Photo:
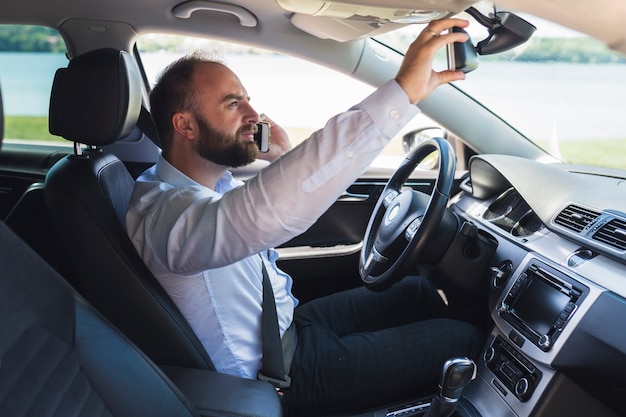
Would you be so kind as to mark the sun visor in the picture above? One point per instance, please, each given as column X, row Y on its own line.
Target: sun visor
column 351, row 19
column 340, row 30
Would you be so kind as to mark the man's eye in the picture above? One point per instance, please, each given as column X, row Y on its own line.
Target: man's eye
column 233, row 104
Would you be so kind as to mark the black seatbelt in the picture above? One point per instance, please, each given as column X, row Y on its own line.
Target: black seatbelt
column 146, row 125
column 273, row 365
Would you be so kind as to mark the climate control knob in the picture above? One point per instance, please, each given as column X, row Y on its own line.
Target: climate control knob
column 522, row 388
column 545, row 342
column 489, row 355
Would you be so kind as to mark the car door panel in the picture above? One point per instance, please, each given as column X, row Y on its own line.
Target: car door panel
column 324, row 259
column 20, row 167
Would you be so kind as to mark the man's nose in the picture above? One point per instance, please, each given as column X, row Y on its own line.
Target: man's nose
column 250, row 115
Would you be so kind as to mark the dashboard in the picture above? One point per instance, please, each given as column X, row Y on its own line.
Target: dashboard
column 557, row 289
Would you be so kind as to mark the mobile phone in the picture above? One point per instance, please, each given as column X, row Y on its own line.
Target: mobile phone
column 262, row 137
column 462, row 56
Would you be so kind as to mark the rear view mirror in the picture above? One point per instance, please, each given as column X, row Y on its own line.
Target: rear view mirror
column 506, row 31
column 461, row 55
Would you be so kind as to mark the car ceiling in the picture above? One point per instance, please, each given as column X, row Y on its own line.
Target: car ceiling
column 274, row 21
column 602, row 19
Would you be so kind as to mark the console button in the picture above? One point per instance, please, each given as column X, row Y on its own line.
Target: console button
column 516, row 338
column 512, row 369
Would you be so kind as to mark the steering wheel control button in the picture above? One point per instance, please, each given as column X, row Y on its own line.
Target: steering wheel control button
column 413, row 228
column 391, row 195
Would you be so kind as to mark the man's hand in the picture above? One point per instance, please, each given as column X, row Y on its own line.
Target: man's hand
column 279, row 141
column 416, row 76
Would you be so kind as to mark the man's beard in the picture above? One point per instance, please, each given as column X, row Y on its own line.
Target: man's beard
column 224, row 149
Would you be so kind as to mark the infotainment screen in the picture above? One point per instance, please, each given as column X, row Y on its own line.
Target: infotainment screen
column 539, row 305
column 541, row 302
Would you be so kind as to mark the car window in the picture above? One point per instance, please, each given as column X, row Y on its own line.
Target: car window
column 29, row 57
column 298, row 95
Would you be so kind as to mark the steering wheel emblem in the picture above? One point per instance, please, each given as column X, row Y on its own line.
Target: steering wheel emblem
column 392, row 213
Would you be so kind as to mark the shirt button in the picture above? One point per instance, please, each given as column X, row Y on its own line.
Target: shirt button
column 349, row 154
column 394, row 114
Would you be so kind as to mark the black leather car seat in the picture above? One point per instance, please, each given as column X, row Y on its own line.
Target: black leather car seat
column 96, row 101
column 59, row 357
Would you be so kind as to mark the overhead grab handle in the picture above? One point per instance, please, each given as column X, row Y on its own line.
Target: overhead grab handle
column 184, row 11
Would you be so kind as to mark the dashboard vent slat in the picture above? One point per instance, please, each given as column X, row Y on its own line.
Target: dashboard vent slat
column 575, row 217
column 613, row 233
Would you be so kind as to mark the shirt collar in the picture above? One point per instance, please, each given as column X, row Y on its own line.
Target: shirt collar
column 171, row 175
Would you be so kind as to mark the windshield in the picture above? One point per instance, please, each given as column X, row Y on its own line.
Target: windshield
column 562, row 89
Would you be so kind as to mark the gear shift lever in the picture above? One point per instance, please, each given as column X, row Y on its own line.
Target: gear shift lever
column 457, row 373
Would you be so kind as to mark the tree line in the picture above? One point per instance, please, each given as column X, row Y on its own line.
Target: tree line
column 577, row 50
column 30, row 39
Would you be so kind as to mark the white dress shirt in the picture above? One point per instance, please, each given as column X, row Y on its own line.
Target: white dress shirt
column 203, row 244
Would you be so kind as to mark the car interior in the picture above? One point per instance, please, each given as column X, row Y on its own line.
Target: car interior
column 529, row 249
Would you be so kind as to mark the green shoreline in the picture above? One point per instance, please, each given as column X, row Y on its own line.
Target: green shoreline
column 604, row 152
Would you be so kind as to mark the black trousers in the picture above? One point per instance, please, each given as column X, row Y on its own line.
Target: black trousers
column 360, row 349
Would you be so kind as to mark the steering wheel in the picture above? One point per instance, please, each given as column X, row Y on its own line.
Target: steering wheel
column 404, row 220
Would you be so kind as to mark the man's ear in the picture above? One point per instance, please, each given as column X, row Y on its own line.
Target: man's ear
column 184, row 124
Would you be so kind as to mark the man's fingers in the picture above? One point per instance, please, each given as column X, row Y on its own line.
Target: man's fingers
column 448, row 76
column 416, row 75
column 438, row 26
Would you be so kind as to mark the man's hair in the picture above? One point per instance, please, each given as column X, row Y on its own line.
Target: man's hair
column 175, row 92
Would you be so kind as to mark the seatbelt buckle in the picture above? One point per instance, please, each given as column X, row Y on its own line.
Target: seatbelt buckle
column 278, row 383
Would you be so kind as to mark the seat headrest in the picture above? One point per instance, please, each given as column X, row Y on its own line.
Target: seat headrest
column 96, row 100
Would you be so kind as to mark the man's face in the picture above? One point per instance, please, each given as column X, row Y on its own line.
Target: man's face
column 225, row 149
column 225, row 119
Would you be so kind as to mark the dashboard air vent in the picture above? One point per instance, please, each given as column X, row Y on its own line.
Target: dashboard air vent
column 575, row 217
column 613, row 233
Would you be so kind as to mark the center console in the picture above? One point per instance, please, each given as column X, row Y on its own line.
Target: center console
column 534, row 314
column 536, row 307
column 542, row 341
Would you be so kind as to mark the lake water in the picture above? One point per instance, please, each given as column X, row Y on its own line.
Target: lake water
column 542, row 100
column 26, row 81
